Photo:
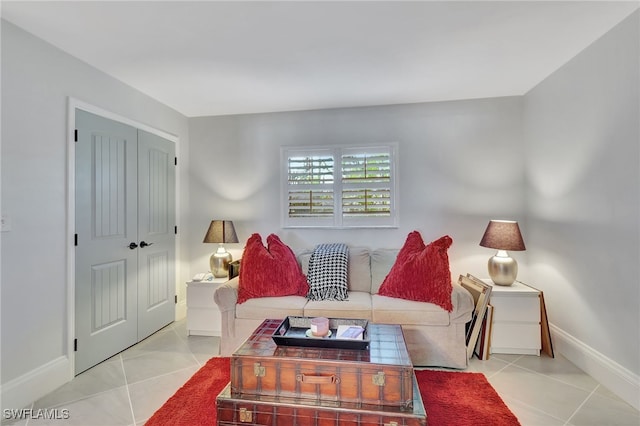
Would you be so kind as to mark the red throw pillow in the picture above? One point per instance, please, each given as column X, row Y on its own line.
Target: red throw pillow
column 268, row 272
column 421, row 273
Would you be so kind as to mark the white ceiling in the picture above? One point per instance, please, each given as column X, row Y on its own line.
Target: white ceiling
column 215, row 58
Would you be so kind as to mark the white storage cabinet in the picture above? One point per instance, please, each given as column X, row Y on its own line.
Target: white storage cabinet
column 516, row 319
column 203, row 315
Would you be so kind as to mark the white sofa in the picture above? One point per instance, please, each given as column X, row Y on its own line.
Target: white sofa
column 434, row 336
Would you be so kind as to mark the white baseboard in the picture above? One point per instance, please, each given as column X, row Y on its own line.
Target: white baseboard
column 619, row 380
column 22, row 391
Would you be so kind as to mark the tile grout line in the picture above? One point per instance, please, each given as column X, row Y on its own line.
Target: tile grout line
column 582, row 404
column 126, row 385
column 546, row 376
column 186, row 341
column 535, row 409
column 81, row 398
column 513, row 363
column 555, row 379
column 162, row 375
column 506, row 365
column 549, row 377
column 33, row 404
column 501, row 369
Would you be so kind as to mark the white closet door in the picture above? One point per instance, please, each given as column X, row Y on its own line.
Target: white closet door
column 125, row 221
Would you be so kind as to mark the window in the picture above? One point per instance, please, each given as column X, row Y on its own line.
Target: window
column 339, row 186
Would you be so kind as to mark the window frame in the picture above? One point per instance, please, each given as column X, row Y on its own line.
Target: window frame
column 338, row 219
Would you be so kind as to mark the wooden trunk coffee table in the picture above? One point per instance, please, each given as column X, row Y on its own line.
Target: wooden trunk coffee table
column 280, row 385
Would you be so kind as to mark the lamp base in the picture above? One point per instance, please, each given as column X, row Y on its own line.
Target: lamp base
column 503, row 269
column 219, row 263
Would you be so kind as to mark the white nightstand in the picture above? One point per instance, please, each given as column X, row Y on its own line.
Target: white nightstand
column 203, row 315
column 516, row 319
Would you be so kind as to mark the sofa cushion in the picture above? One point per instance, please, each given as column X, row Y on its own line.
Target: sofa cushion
column 421, row 273
column 271, row 307
column 392, row 310
column 358, row 271
column 357, row 306
column 382, row 261
column 269, row 272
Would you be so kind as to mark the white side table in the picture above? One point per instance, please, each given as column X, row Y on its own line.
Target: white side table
column 203, row 315
column 516, row 319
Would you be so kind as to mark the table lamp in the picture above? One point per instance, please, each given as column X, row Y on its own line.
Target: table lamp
column 503, row 235
column 221, row 232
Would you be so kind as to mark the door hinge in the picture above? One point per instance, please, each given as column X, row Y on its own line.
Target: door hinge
column 175, row 229
column 75, row 345
column 175, row 161
column 75, row 240
column 175, row 297
column 75, row 135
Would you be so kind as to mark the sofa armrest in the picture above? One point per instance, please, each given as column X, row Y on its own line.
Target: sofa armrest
column 226, row 295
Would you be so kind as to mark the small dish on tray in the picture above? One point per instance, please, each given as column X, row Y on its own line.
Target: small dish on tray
column 309, row 333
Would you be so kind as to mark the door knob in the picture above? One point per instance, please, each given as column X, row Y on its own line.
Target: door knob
column 133, row 246
column 144, row 244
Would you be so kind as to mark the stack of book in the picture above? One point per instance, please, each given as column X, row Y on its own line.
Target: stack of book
column 478, row 330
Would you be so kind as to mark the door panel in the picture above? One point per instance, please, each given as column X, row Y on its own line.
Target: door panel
column 106, row 223
column 108, row 295
column 156, row 213
column 109, row 185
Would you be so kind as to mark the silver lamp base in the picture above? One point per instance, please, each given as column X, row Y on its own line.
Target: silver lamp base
column 503, row 269
column 219, row 263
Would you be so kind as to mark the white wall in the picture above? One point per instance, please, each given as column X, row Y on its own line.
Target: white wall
column 583, row 190
column 37, row 80
column 460, row 166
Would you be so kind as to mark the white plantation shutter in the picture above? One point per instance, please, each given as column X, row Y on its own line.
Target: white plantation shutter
column 310, row 203
column 366, row 183
column 310, row 187
column 339, row 187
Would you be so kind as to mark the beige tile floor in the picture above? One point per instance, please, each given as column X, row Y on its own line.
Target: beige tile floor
column 128, row 388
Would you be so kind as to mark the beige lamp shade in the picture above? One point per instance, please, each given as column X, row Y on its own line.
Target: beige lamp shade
column 221, row 231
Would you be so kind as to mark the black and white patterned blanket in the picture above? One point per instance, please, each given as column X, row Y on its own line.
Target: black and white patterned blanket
column 327, row 276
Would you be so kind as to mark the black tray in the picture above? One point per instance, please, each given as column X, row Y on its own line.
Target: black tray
column 293, row 332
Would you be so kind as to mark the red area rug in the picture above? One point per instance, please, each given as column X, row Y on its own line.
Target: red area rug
column 450, row 398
